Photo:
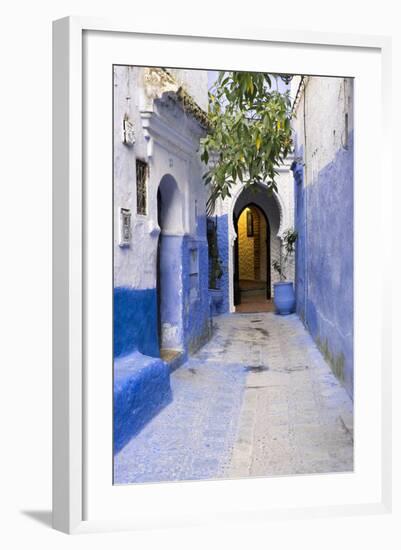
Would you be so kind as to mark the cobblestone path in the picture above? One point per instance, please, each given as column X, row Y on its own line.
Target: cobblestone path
column 257, row 400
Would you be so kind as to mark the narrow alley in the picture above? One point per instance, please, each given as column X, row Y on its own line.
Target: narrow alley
column 236, row 268
column 257, row 400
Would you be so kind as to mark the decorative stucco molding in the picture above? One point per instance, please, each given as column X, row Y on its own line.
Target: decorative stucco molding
column 158, row 129
column 284, row 200
column 155, row 83
column 169, row 115
column 285, row 221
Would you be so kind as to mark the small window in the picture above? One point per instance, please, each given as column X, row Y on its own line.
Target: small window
column 141, row 187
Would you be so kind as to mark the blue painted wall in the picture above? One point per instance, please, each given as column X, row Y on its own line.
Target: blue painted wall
column 135, row 321
column 300, row 225
column 184, row 287
column 171, row 280
column 197, row 328
column 324, row 213
column 141, row 390
column 222, row 244
column 141, row 378
column 184, row 302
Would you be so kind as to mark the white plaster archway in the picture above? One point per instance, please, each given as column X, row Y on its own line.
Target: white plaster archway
column 172, row 199
column 285, row 222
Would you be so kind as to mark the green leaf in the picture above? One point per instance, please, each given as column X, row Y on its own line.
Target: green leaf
column 251, row 135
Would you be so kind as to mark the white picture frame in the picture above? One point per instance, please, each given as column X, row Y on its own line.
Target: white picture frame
column 72, row 425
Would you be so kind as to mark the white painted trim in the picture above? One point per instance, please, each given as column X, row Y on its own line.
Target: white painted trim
column 67, row 276
column 232, row 235
column 252, row 33
column 155, row 128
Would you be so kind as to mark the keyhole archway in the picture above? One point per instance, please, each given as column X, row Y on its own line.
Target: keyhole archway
column 255, row 203
column 252, row 273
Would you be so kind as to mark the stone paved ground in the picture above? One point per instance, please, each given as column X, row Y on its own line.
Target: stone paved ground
column 296, row 418
column 257, row 400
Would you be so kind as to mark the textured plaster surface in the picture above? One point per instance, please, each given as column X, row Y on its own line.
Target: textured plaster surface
column 167, row 139
column 141, row 389
column 224, row 255
column 258, row 399
column 135, row 322
column 324, row 218
column 328, row 308
column 171, row 291
column 195, row 83
column 197, row 324
column 169, row 144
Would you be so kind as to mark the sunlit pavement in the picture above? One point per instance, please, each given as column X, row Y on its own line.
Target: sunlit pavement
column 257, row 400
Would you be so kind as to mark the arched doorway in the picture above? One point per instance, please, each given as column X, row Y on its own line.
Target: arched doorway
column 269, row 209
column 169, row 267
column 252, row 256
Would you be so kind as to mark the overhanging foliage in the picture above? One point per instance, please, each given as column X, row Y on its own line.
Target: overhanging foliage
column 249, row 135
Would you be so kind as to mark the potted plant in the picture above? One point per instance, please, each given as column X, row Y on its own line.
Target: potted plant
column 284, row 296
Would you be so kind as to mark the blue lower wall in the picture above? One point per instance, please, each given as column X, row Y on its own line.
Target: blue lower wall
column 184, row 300
column 223, row 244
column 135, row 321
column 141, row 378
column 171, row 298
column 324, row 213
column 141, row 390
column 300, row 226
column 184, row 288
column 197, row 328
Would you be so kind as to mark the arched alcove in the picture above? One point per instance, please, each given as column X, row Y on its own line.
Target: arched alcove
column 169, row 266
column 169, row 202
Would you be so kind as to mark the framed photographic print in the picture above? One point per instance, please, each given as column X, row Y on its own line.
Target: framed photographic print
column 219, row 337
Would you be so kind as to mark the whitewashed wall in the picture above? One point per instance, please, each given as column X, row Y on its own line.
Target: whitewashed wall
column 323, row 102
column 169, row 144
column 323, row 131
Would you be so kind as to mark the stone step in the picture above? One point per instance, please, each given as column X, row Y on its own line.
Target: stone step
column 141, row 390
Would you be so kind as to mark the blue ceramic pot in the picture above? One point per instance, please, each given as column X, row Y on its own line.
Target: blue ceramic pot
column 284, row 297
